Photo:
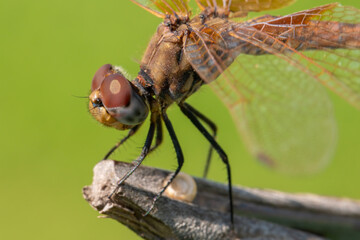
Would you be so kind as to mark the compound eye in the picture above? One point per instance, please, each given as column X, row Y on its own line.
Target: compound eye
column 99, row 76
column 115, row 91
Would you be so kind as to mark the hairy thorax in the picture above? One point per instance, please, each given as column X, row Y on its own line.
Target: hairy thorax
column 164, row 62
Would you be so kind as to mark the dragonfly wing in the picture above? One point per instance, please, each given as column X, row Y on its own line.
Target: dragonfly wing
column 273, row 91
column 246, row 5
column 329, row 37
column 161, row 8
column 325, row 40
column 284, row 116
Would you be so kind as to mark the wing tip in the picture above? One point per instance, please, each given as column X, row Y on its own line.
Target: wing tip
column 153, row 12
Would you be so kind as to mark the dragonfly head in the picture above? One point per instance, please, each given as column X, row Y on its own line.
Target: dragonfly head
column 114, row 101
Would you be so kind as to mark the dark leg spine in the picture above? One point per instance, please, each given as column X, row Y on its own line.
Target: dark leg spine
column 130, row 133
column 213, row 127
column 216, row 146
column 179, row 156
column 144, row 152
column 159, row 134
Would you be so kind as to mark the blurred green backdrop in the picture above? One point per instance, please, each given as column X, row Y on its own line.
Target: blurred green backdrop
column 49, row 143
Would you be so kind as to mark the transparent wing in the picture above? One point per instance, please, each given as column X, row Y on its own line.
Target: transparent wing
column 272, row 90
column 330, row 38
column 286, row 120
column 161, row 8
column 246, row 5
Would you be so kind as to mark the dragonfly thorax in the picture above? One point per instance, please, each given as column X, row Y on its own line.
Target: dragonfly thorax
column 166, row 66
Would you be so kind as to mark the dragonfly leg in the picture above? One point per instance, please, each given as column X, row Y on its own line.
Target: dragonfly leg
column 213, row 127
column 159, row 134
column 131, row 132
column 144, row 152
column 179, row 156
column 216, row 146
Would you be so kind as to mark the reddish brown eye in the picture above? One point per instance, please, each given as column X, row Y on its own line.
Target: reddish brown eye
column 115, row 91
column 100, row 75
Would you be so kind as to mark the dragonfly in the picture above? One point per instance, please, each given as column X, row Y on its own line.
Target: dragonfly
column 270, row 72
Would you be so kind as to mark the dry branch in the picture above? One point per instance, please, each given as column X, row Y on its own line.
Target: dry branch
column 208, row 216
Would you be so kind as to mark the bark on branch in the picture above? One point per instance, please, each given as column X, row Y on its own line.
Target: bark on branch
column 260, row 214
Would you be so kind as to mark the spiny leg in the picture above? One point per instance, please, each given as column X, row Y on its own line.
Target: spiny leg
column 159, row 134
column 213, row 127
column 144, row 152
column 217, row 147
column 130, row 133
column 179, row 156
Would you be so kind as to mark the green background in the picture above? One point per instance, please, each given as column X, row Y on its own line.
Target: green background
column 49, row 142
